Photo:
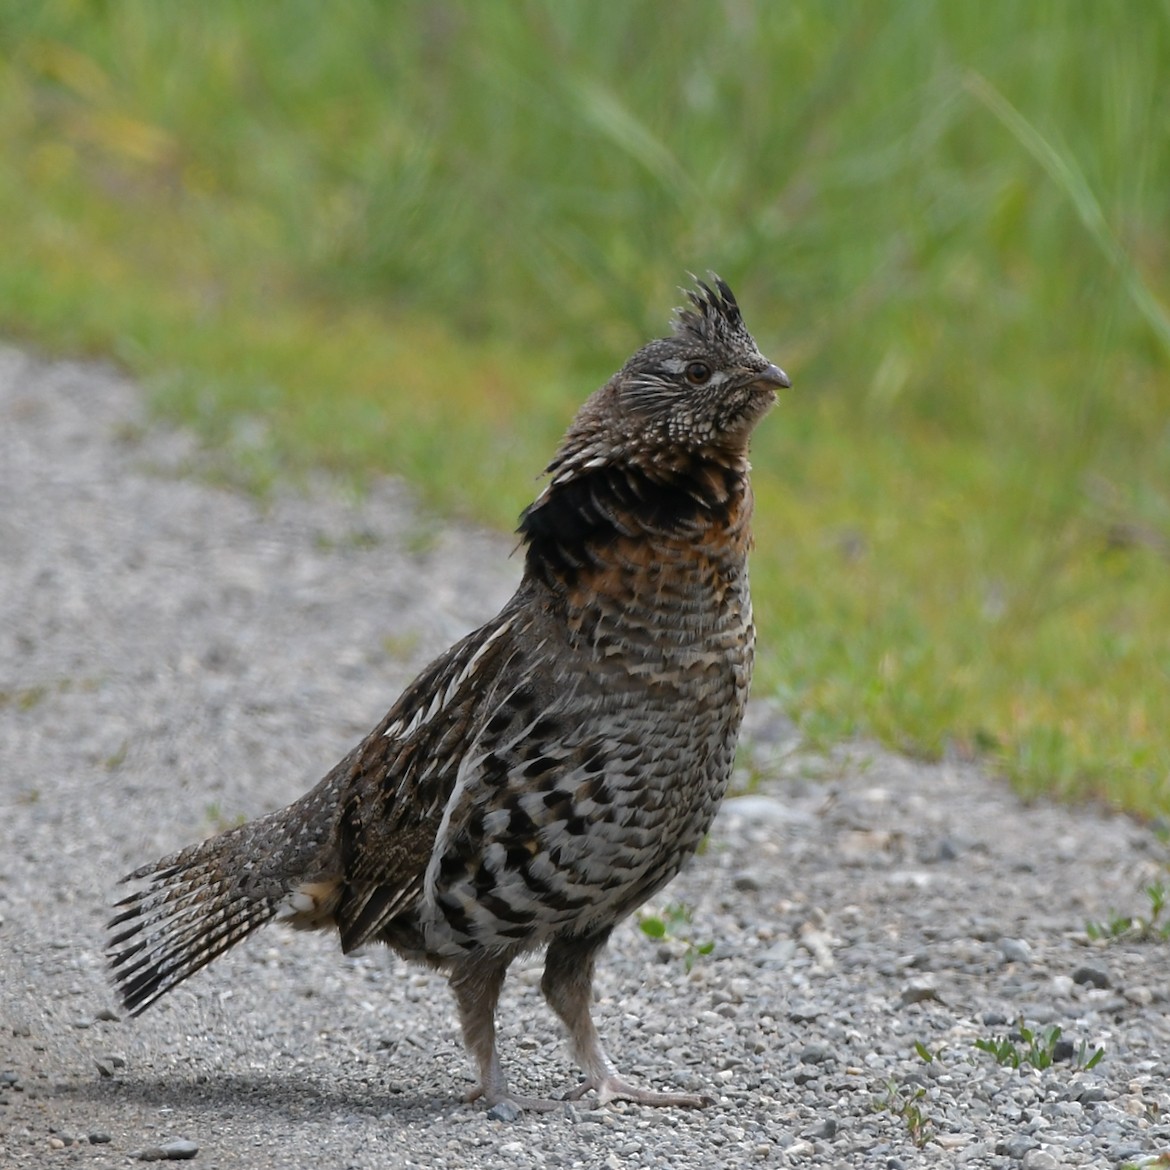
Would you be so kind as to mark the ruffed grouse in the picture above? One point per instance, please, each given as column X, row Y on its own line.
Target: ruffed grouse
column 554, row 769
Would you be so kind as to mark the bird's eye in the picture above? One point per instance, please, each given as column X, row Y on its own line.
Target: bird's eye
column 698, row 373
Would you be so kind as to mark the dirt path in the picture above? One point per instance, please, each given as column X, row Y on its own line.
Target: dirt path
column 174, row 656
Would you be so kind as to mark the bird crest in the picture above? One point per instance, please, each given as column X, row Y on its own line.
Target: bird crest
column 713, row 315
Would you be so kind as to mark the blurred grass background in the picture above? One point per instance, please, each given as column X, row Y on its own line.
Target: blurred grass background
column 411, row 237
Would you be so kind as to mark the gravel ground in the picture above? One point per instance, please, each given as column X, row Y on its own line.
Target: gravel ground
column 174, row 656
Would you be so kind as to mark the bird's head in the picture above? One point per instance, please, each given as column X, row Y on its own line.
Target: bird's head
column 699, row 391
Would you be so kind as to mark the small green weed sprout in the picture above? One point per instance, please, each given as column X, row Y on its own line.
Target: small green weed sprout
column 905, row 1102
column 1041, row 1049
column 1154, row 927
column 674, row 923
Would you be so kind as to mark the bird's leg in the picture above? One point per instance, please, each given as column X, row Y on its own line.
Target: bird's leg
column 568, row 987
column 476, row 983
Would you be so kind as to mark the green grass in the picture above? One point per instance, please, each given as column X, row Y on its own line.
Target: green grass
column 412, row 237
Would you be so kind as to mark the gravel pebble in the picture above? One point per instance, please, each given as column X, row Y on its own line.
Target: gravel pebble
column 918, row 991
column 505, row 1111
column 1015, row 950
column 175, row 655
column 1040, row 1160
column 1091, row 975
column 177, row 1150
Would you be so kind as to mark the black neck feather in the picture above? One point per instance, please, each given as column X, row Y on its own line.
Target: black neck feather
column 570, row 527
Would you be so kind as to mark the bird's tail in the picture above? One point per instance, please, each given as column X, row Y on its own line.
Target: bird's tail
column 191, row 907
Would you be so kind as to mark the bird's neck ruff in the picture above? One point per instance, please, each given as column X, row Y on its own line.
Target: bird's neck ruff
column 581, row 518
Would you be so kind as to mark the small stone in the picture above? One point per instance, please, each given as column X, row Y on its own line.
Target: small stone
column 779, row 954
column 919, row 961
column 1040, row 1160
column 99, row 1139
column 55, row 1143
column 1016, row 1146
column 21, row 1030
column 1039, row 1012
column 1015, row 950
column 1062, row 986
column 947, row 850
column 815, row 1054
column 918, row 991
column 746, row 883
column 1126, row 1152
column 976, row 1150
column 178, row 1149
column 104, row 1067
column 1063, row 1050
column 1090, row 975
column 952, row 1141
column 823, row 1129
column 803, row 1013
column 505, row 1111
column 1114, row 1004
column 107, row 1015
column 994, row 1019
column 759, row 810
column 8, row 1077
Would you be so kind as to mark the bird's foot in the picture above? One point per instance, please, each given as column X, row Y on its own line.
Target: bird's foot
column 509, row 1106
column 613, row 1088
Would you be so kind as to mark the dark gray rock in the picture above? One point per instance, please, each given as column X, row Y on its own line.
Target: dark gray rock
column 1092, row 975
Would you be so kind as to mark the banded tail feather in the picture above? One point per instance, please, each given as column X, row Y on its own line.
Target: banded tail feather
column 191, row 908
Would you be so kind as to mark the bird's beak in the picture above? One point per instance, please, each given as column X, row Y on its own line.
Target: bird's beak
column 772, row 376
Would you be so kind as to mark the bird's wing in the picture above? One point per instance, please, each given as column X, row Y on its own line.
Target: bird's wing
column 403, row 777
